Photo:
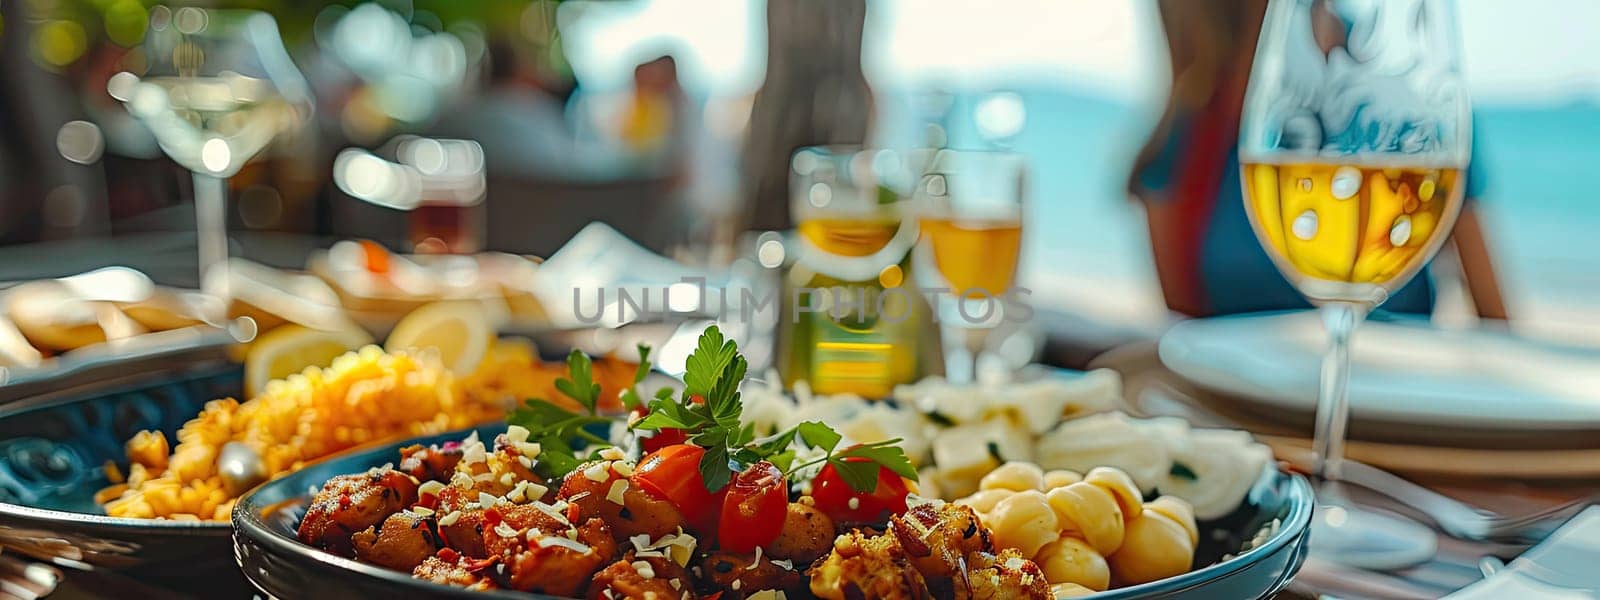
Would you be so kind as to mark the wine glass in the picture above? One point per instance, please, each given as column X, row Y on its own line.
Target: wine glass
column 219, row 88
column 969, row 208
column 1354, row 139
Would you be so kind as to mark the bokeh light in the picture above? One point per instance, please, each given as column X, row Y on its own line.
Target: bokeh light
column 57, row 44
column 80, row 142
column 1000, row 115
column 770, row 251
column 190, row 20
column 125, row 22
column 64, row 206
column 216, row 155
column 260, row 207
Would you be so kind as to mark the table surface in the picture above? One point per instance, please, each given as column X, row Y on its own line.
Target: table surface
column 1152, row 390
column 1453, row 567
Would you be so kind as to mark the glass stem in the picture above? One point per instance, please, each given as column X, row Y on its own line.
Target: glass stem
column 977, row 340
column 211, row 230
column 1333, row 400
column 961, row 362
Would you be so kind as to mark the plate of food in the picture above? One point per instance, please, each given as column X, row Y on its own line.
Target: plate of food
column 683, row 496
column 51, row 329
column 141, row 473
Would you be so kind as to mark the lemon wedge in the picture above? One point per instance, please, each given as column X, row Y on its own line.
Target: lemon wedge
column 458, row 330
column 289, row 349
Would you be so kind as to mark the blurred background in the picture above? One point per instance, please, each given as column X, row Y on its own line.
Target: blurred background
column 674, row 120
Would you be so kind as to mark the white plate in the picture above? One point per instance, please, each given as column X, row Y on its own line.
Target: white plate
column 1401, row 371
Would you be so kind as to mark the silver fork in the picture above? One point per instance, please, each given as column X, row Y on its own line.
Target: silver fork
column 1457, row 519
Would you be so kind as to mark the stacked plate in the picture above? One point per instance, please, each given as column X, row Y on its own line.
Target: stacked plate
column 1475, row 402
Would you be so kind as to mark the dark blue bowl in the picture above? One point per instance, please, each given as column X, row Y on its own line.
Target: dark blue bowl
column 53, row 451
column 266, row 519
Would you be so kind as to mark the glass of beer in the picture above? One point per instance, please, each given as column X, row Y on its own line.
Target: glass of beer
column 1354, row 138
column 969, row 207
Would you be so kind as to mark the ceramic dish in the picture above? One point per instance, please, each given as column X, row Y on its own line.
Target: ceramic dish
column 53, row 451
column 265, row 522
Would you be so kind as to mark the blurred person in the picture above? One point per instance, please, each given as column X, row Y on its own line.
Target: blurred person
column 654, row 115
column 521, row 125
column 1187, row 177
column 815, row 93
column 653, row 128
column 648, row 128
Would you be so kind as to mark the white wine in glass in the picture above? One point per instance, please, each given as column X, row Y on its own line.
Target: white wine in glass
column 970, row 205
column 1353, row 144
column 219, row 89
column 1343, row 231
column 974, row 253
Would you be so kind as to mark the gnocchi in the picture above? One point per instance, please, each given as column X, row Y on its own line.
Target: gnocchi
column 1086, row 531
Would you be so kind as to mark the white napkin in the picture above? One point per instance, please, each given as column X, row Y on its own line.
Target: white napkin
column 1561, row 567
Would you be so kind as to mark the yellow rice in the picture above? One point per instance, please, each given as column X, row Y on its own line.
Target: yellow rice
column 364, row 396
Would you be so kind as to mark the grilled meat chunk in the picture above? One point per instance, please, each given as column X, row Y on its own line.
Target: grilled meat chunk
column 543, row 553
column 402, row 542
column 430, row 463
column 636, row 578
column 351, row 503
column 807, row 535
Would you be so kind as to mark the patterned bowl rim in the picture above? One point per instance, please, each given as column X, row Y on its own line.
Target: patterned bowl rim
column 1301, row 501
column 66, row 519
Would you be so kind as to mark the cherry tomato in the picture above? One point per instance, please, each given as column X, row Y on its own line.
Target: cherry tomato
column 834, row 496
column 673, row 473
column 754, row 509
column 664, row 438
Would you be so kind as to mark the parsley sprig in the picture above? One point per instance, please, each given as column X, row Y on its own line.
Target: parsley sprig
column 857, row 465
column 559, row 431
column 708, row 412
column 713, row 373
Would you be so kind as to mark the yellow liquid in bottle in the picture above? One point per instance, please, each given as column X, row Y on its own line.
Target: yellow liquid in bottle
column 856, row 350
column 850, row 235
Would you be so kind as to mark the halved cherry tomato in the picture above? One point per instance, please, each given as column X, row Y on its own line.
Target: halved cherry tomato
column 673, row 473
column 754, row 509
column 665, row 437
column 834, row 496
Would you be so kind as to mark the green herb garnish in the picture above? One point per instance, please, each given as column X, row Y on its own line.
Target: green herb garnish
column 713, row 372
column 558, row 430
column 861, row 474
column 630, row 397
column 708, row 412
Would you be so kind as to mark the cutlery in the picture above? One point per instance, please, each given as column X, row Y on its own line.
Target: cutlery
column 1458, row 519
